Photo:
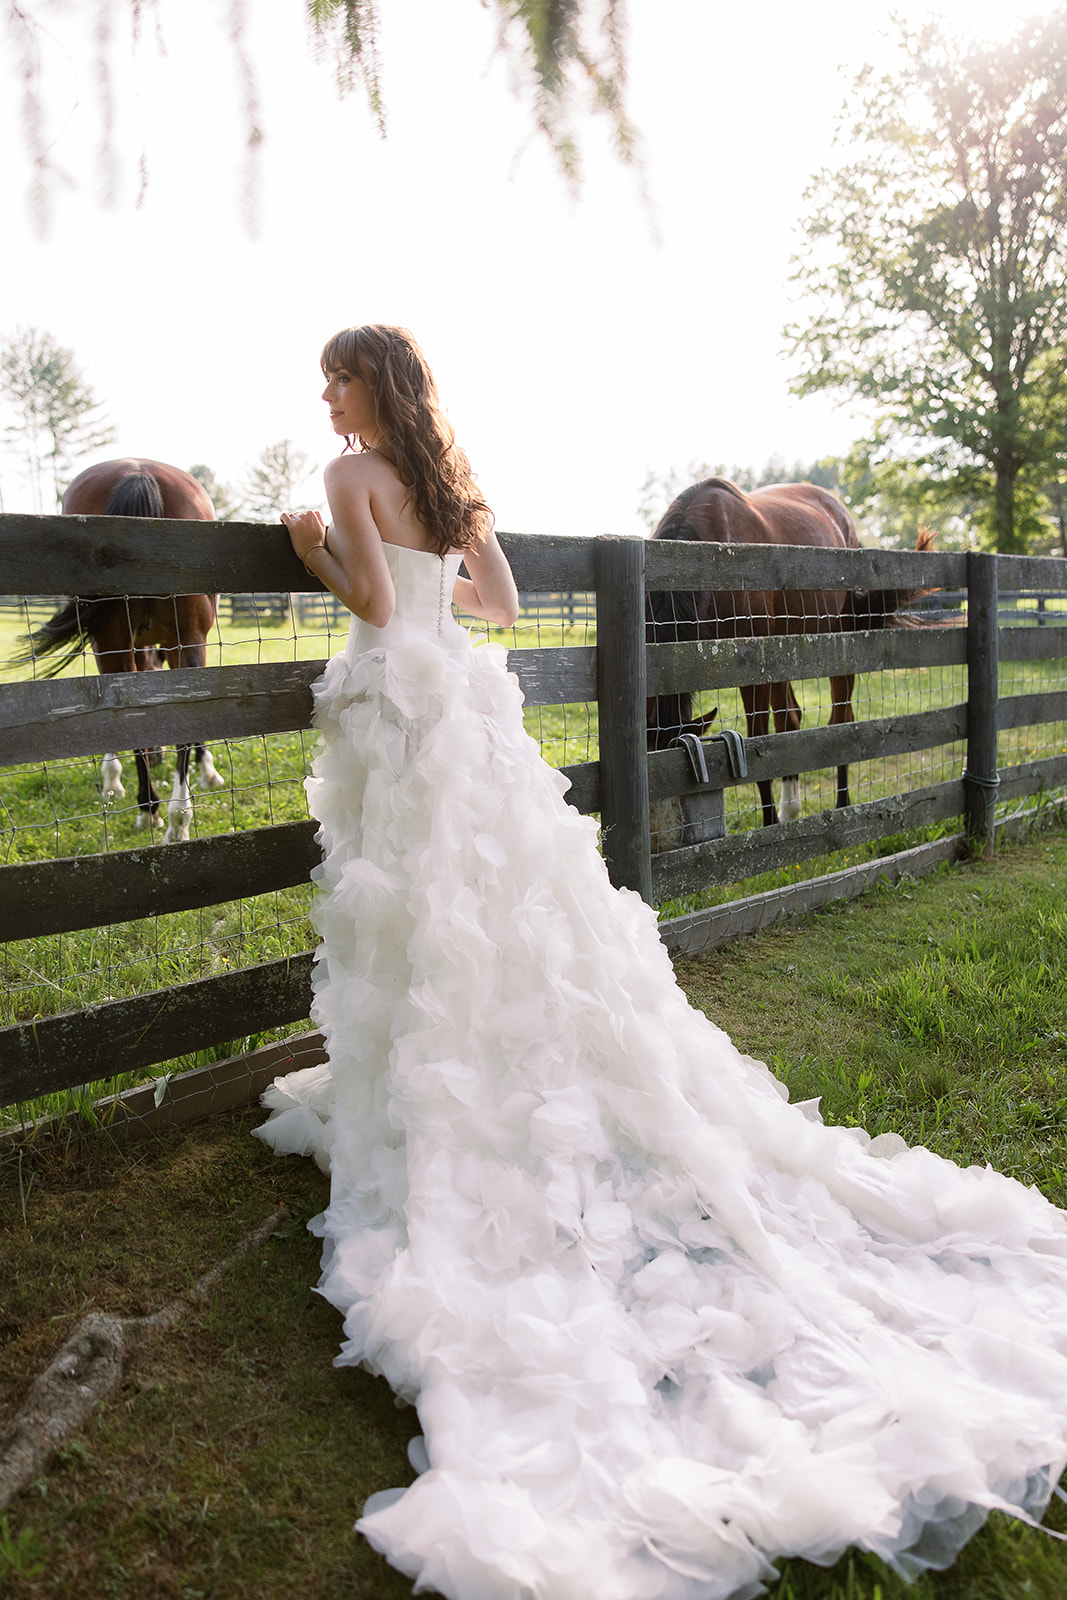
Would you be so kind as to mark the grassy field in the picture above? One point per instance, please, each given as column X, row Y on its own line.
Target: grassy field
column 234, row 1459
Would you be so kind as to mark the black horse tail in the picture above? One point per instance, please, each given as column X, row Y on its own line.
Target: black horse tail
column 135, row 495
column 671, row 614
column 63, row 636
column 880, row 608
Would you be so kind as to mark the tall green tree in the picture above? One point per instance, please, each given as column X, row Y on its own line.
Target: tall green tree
column 936, row 262
column 53, row 417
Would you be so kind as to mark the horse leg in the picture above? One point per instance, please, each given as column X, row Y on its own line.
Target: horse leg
column 787, row 718
column 147, row 795
column 180, row 805
column 111, row 778
column 841, row 711
column 208, row 775
column 115, row 651
column 756, row 699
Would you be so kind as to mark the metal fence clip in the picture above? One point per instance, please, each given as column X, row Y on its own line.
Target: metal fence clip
column 735, row 752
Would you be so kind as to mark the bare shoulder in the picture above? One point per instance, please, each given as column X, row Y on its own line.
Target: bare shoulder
column 350, row 469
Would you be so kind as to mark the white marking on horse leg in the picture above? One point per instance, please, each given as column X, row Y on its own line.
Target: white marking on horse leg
column 179, row 812
column 111, row 778
column 210, row 777
column 148, row 819
column 789, row 804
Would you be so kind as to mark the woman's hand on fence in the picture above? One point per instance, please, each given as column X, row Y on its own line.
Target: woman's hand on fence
column 307, row 532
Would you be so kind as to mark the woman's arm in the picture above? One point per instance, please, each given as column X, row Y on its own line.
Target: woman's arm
column 353, row 564
column 490, row 590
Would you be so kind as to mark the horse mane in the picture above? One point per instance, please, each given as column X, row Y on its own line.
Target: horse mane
column 135, row 495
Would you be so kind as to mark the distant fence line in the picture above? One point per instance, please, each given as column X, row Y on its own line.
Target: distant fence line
column 572, row 609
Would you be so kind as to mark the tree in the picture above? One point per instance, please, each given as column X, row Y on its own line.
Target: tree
column 272, row 484
column 937, row 259
column 221, row 495
column 57, row 418
column 561, row 48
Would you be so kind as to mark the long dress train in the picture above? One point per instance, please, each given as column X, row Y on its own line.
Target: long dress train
column 661, row 1326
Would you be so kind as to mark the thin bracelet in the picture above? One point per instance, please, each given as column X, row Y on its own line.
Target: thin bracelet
column 322, row 546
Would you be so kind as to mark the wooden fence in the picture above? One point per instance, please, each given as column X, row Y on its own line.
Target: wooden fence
column 84, row 716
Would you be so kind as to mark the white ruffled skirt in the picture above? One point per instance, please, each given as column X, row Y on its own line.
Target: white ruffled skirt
column 661, row 1326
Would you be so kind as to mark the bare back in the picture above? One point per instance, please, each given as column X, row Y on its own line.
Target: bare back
column 369, row 507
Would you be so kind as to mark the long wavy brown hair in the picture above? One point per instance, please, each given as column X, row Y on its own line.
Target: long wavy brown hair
column 416, row 436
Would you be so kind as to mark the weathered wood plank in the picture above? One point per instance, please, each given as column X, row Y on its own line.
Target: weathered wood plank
column 715, row 926
column 740, row 856
column 555, row 676
column 187, row 1096
column 687, row 564
column 60, row 896
column 124, row 555
column 1032, row 644
column 1031, row 572
column 79, row 1047
column 584, row 792
column 1030, row 776
column 774, row 755
column 726, row 663
column 1029, row 710
column 59, row 717
column 545, row 562
column 88, row 715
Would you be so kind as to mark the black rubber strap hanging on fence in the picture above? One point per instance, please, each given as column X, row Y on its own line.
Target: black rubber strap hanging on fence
column 735, row 752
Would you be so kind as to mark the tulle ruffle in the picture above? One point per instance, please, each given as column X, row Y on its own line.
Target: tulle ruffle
column 662, row 1327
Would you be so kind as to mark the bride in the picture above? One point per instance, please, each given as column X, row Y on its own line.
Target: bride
column 661, row 1327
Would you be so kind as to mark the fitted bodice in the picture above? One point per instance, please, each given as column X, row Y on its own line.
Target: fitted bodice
column 423, row 582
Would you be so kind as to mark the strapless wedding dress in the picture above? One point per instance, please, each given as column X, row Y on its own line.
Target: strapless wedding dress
column 661, row 1326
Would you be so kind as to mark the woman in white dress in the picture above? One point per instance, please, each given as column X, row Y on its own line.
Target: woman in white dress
column 661, row 1326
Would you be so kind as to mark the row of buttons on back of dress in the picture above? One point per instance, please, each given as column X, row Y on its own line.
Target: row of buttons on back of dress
column 441, row 599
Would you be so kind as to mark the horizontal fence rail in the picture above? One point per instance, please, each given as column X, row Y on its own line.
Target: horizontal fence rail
column 603, row 579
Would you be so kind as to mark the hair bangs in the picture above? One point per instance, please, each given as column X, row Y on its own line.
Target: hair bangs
column 341, row 353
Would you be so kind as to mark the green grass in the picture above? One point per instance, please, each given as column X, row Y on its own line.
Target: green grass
column 234, row 1459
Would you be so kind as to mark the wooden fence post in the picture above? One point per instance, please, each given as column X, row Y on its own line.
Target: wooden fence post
column 980, row 780
column 619, row 571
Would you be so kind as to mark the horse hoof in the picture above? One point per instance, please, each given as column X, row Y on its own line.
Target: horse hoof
column 208, row 776
column 111, row 779
column 178, row 820
column 789, row 805
column 147, row 819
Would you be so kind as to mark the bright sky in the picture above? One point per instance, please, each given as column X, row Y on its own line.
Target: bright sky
column 578, row 343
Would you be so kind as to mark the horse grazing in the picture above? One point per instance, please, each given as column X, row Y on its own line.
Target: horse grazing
column 137, row 633
column 717, row 511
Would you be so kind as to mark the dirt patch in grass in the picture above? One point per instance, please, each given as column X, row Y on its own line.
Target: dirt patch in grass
column 235, row 1458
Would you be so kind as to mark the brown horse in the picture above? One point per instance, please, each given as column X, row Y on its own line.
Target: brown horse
column 717, row 511
column 137, row 633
